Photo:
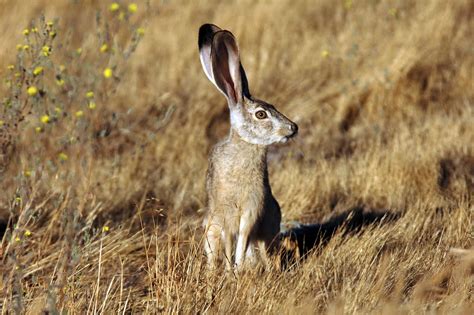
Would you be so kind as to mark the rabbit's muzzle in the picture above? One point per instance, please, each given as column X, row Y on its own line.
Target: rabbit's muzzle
column 291, row 132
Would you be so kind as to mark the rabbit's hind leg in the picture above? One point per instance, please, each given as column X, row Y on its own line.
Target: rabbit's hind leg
column 212, row 244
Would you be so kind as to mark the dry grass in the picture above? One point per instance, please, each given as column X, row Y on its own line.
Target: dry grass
column 383, row 93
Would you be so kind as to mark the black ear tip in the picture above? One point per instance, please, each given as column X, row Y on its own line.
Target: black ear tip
column 206, row 32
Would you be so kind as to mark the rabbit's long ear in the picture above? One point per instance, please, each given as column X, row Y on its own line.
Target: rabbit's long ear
column 229, row 75
column 208, row 56
column 206, row 34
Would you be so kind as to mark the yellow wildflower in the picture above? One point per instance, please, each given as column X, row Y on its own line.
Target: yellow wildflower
column 17, row 239
column 17, row 74
column 90, row 94
column 18, row 199
column 79, row 114
column 348, row 4
column 49, row 23
column 27, row 233
column 46, row 50
column 92, row 105
column 107, row 73
column 26, row 47
column 114, row 7
column 38, row 70
column 132, row 7
column 11, row 67
column 60, row 82
column 324, row 53
column 62, row 68
column 27, row 173
column 52, row 34
column 57, row 110
column 79, row 51
column 140, row 31
column 62, row 156
column 45, row 119
column 104, row 48
column 26, row 32
column 105, row 228
column 19, row 47
column 34, row 30
column 32, row 91
column 38, row 129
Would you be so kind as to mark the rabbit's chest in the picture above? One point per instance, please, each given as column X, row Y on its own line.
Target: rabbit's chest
column 240, row 176
column 240, row 181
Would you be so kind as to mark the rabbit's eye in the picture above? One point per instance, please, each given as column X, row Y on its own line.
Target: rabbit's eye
column 261, row 114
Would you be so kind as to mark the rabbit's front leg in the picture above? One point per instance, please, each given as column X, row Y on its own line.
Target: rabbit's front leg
column 250, row 256
column 245, row 228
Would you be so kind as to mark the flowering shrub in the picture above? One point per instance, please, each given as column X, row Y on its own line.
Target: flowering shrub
column 54, row 89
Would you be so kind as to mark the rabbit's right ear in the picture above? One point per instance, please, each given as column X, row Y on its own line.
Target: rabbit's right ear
column 227, row 71
column 220, row 60
column 206, row 34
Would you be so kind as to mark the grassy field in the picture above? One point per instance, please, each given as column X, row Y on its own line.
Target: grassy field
column 106, row 121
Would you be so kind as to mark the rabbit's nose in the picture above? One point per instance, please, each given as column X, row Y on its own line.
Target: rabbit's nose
column 294, row 129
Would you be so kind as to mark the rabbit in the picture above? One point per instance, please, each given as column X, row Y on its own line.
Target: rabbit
column 241, row 206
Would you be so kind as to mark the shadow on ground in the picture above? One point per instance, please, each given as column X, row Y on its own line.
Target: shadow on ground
column 299, row 240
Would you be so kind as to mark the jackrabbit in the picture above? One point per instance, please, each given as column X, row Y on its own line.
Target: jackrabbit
column 240, row 201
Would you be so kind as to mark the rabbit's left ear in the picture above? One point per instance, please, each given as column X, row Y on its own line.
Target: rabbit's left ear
column 206, row 34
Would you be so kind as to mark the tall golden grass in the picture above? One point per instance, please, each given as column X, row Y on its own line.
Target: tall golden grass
column 101, row 210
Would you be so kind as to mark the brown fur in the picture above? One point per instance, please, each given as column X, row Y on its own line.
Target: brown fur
column 238, row 189
column 241, row 203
